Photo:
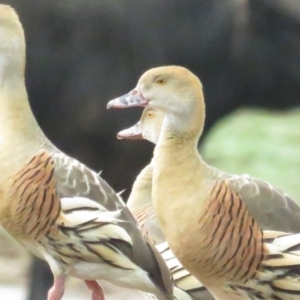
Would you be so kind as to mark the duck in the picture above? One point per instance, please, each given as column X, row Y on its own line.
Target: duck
column 205, row 213
column 140, row 204
column 56, row 207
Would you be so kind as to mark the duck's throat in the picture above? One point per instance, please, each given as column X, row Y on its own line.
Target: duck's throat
column 175, row 150
column 20, row 135
column 141, row 191
column 177, row 168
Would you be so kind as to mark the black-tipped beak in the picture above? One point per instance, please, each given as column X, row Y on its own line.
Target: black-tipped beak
column 131, row 133
column 134, row 98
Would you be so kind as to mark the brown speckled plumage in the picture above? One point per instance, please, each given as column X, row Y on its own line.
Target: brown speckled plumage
column 34, row 207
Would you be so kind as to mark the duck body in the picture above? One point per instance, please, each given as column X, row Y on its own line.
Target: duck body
column 189, row 184
column 205, row 220
column 141, row 205
column 92, row 233
column 55, row 206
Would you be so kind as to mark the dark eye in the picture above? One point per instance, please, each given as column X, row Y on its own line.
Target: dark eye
column 160, row 81
column 150, row 114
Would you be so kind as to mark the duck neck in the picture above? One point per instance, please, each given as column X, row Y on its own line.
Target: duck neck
column 141, row 191
column 179, row 137
column 178, row 168
column 177, row 154
column 20, row 134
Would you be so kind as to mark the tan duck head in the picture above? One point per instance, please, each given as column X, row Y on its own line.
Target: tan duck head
column 147, row 128
column 172, row 89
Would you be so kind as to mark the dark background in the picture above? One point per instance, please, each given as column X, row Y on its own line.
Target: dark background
column 82, row 53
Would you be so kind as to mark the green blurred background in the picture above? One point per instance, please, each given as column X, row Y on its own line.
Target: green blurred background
column 261, row 143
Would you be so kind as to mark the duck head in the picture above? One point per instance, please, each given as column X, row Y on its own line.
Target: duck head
column 147, row 128
column 162, row 88
column 175, row 91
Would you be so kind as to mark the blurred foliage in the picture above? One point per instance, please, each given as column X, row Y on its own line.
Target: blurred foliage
column 261, row 143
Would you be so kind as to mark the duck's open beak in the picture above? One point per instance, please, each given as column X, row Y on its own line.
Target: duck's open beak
column 131, row 133
column 134, row 98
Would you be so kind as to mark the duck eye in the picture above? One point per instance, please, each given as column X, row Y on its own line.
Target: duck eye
column 160, row 81
column 150, row 114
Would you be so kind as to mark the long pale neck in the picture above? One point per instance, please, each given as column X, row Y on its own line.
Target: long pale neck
column 141, row 190
column 20, row 135
column 176, row 154
column 177, row 144
column 179, row 173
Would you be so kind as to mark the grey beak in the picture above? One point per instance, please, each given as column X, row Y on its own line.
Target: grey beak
column 131, row 133
column 134, row 98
